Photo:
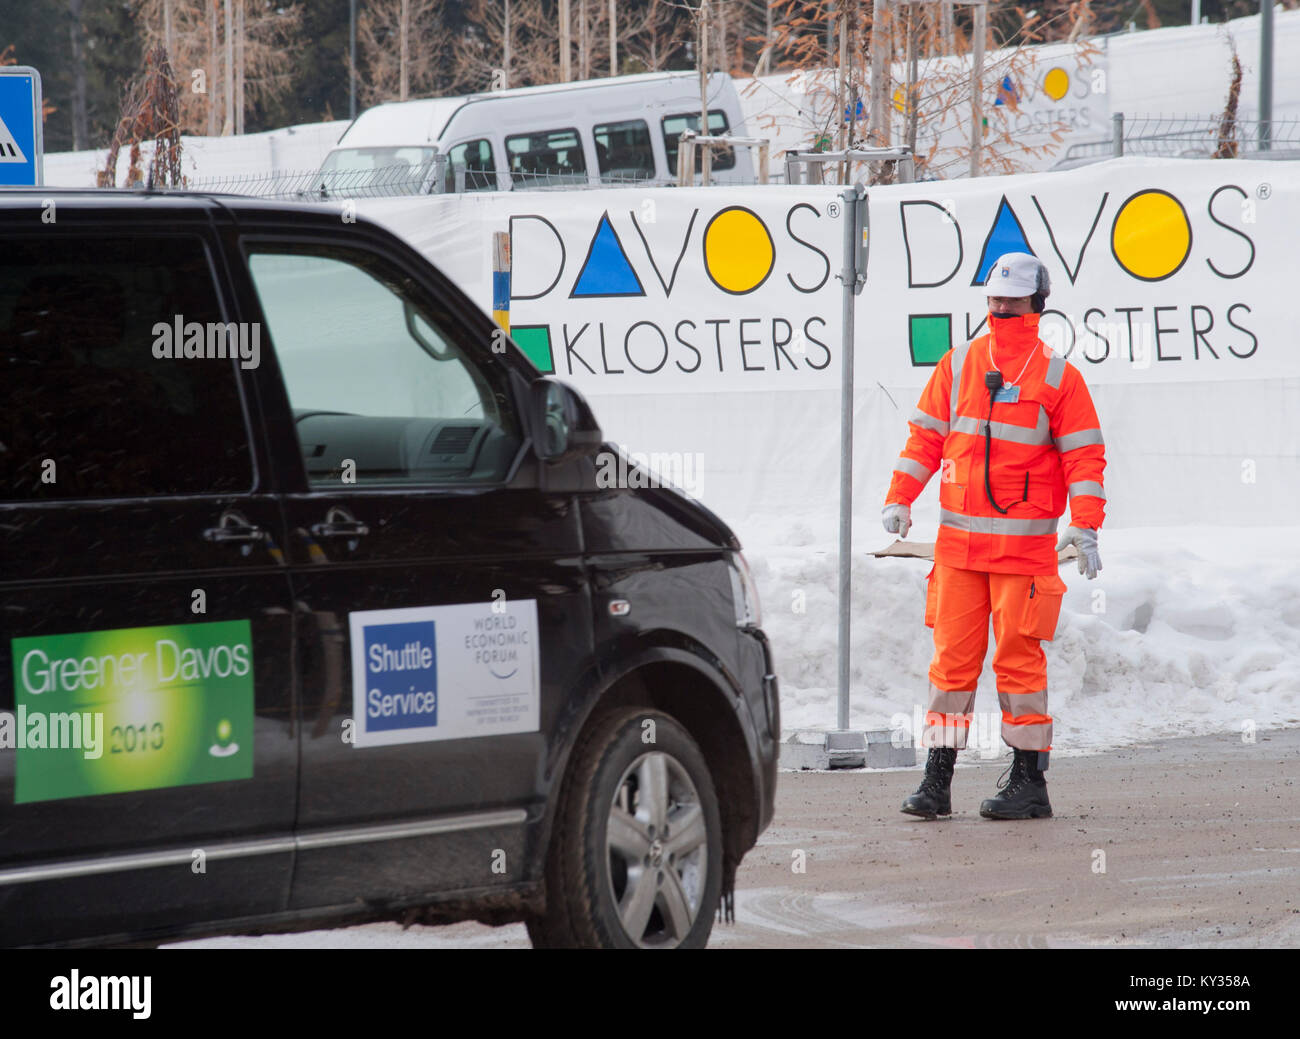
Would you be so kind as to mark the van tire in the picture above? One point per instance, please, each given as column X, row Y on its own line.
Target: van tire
column 614, row 775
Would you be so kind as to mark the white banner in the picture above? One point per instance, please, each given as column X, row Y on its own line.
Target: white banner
column 1161, row 271
column 671, row 291
column 1170, row 287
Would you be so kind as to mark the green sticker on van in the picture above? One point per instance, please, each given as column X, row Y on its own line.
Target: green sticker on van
column 103, row 712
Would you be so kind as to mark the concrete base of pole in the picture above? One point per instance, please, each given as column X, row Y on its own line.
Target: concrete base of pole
column 845, row 748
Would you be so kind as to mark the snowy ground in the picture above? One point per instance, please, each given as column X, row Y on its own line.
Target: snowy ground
column 1187, row 631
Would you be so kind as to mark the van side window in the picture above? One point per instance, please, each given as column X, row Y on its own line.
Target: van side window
column 547, row 157
column 384, row 384
column 110, row 381
column 623, row 151
column 475, row 158
column 724, row 157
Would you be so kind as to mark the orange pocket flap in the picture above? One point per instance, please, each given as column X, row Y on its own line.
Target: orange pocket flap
column 1043, row 607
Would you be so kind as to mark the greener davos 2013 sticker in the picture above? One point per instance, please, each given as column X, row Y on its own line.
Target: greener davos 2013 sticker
column 103, row 712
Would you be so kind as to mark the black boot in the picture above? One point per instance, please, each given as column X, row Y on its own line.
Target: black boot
column 934, row 796
column 1022, row 794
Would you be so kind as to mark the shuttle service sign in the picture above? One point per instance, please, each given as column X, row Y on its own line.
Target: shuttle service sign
column 444, row 672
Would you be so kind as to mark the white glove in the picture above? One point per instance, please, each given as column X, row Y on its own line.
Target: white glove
column 897, row 519
column 1085, row 541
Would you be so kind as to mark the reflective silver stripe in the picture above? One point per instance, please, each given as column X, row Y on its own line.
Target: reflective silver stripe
column 920, row 418
column 1087, row 487
column 263, row 846
column 1040, row 434
column 1028, row 735
column 1055, row 369
column 1083, row 438
column 998, row 524
column 951, row 701
column 913, row 468
column 1019, row 704
column 958, row 359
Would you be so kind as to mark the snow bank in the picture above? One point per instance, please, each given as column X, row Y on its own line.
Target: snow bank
column 1186, row 631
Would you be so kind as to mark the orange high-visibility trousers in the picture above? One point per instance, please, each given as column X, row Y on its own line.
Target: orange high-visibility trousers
column 1025, row 609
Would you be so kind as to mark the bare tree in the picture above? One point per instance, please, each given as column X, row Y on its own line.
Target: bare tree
column 532, row 42
column 652, row 39
column 150, row 111
column 403, row 48
column 1227, row 147
column 934, row 99
column 263, row 49
column 77, row 33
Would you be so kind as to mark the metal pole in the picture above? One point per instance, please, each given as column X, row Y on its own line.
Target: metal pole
column 913, row 18
column 977, row 89
column 1265, row 74
column 1196, row 12
column 850, row 200
column 703, row 56
column 613, row 39
column 1117, row 134
column 352, row 59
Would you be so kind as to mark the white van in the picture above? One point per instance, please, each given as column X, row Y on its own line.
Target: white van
column 619, row 130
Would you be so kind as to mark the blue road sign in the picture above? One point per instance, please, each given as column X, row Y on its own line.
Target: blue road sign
column 21, row 147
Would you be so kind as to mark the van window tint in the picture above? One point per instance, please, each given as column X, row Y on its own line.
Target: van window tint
column 724, row 157
column 623, row 151
column 475, row 158
column 546, row 157
column 99, row 398
column 377, row 376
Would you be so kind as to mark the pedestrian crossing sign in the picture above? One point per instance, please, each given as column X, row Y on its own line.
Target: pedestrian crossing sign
column 21, row 147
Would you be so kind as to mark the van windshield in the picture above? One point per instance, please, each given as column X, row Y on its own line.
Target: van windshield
column 398, row 169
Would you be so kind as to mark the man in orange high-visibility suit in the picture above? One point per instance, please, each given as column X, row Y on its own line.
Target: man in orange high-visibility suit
column 1011, row 429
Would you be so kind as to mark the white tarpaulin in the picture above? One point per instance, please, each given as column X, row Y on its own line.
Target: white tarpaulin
column 706, row 321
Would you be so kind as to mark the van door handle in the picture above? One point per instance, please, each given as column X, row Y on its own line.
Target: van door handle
column 233, row 527
column 340, row 529
column 339, row 523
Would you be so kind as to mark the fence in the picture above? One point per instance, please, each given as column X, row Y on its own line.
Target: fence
column 1190, row 137
column 426, row 178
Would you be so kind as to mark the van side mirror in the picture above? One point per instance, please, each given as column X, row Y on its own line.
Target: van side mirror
column 563, row 426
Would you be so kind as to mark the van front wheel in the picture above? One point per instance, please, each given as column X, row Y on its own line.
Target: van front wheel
column 636, row 856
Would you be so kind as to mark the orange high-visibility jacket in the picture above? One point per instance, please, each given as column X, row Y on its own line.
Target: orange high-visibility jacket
column 1045, row 445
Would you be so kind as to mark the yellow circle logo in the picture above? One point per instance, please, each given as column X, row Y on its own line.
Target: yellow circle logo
column 738, row 250
column 1056, row 83
column 1151, row 237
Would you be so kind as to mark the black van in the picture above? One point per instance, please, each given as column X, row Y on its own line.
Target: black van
column 315, row 612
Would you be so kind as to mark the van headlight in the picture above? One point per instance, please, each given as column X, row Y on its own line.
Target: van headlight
column 744, row 593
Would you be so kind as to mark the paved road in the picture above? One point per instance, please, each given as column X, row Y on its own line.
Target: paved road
column 1190, row 842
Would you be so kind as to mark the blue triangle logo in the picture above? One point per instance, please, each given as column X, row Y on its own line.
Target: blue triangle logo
column 1005, row 236
column 606, row 270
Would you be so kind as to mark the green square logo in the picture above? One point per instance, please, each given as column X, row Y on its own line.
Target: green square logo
column 929, row 337
column 535, row 342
